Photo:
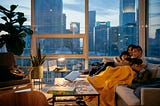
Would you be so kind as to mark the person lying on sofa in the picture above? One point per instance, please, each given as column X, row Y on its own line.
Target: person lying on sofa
column 106, row 81
column 118, row 61
column 100, row 66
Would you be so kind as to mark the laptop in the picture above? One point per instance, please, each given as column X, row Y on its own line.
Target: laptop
column 72, row 75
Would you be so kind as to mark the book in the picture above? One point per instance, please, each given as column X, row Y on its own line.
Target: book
column 64, row 90
column 72, row 75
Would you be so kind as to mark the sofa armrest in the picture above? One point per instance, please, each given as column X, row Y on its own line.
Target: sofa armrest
column 150, row 96
column 127, row 95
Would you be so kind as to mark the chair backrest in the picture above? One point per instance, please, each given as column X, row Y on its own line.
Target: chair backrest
column 7, row 62
column 7, row 59
column 30, row 98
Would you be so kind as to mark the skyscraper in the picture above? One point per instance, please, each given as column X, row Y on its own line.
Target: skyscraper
column 127, row 12
column 128, row 24
column 91, row 25
column 101, row 38
column 48, row 16
column 49, row 19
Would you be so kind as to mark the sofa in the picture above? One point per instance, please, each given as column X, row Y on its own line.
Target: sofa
column 150, row 96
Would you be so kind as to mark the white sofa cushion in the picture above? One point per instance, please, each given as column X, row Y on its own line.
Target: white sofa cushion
column 127, row 95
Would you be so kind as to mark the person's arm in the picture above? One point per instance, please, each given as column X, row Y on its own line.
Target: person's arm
column 117, row 61
column 103, row 67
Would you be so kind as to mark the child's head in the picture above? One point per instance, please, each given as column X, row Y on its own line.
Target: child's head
column 136, row 64
column 124, row 55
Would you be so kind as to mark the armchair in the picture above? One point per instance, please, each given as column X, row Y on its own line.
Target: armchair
column 7, row 60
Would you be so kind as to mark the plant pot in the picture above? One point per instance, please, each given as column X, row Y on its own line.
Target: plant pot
column 37, row 72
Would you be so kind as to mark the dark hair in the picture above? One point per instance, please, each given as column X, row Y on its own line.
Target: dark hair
column 124, row 53
column 137, row 61
column 138, row 48
column 134, row 61
column 131, row 45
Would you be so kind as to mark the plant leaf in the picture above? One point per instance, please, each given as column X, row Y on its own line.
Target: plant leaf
column 4, row 18
column 13, row 7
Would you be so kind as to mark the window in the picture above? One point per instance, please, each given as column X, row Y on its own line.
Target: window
column 61, row 45
column 153, row 28
column 81, row 29
column 59, row 16
column 113, row 25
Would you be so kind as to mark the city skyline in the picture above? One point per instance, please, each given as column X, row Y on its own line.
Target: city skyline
column 76, row 7
column 108, row 11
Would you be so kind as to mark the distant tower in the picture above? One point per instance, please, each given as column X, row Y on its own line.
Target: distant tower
column 48, row 16
column 128, row 24
column 102, row 38
column 91, row 22
column 127, row 12
column 75, row 27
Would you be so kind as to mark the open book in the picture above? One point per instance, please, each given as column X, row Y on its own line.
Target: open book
column 72, row 75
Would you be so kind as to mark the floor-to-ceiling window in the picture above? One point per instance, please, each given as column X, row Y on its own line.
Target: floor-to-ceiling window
column 113, row 25
column 81, row 31
column 153, row 30
column 59, row 26
column 83, row 28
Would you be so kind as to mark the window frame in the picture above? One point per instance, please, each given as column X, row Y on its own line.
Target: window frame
column 85, row 55
column 83, row 36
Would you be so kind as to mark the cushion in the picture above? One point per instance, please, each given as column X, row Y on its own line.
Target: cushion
column 7, row 59
column 155, row 84
column 153, row 68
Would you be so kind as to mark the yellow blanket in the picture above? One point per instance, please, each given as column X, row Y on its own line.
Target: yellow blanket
column 105, row 82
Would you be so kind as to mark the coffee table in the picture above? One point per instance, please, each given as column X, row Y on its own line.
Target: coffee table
column 81, row 88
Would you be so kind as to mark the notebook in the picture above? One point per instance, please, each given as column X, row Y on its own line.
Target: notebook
column 72, row 75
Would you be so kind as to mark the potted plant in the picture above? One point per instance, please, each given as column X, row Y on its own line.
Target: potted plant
column 37, row 63
column 13, row 30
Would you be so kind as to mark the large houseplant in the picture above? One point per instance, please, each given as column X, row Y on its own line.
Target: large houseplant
column 15, row 31
column 37, row 63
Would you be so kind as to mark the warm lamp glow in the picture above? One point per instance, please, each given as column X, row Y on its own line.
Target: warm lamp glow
column 61, row 59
